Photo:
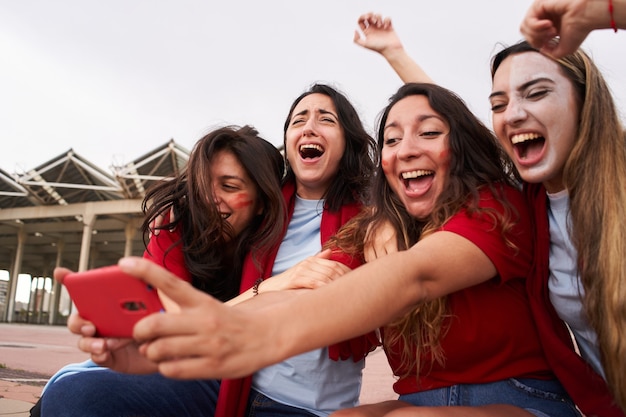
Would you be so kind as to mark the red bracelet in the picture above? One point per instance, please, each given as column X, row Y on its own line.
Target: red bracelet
column 613, row 25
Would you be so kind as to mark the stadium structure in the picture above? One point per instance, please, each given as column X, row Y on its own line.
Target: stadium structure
column 69, row 212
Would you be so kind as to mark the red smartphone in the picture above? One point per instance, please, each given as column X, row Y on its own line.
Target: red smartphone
column 111, row 299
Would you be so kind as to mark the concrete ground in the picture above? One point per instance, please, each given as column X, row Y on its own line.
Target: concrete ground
column 30, row 354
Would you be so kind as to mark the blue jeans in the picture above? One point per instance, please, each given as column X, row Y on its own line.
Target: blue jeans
column 107, row 393
column 541, row 398
column 261, row 406
column 104, row 393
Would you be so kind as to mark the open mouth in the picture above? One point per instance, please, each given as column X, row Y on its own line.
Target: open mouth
column 528, row 145
column 225, row 215
column 414, row 180
column 311, row 151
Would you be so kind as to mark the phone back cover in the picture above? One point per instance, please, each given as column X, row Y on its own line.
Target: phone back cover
column 111, row 299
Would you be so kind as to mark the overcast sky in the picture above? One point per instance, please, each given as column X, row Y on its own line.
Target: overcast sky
column 115, row 79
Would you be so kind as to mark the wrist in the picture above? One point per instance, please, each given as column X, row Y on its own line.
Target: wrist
column 605, row 14
column 394, row 53
column 617, row 12
column 612, row 16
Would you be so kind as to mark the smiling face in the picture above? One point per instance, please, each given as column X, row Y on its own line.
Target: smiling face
column 234, row 193
column 535, row 116
column 415, row 154
column 314, row 145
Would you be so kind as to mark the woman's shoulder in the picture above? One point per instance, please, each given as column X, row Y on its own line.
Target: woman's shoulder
column 501, row 208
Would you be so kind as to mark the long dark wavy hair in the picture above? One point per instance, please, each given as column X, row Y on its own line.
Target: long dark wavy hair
column 476, row 162
column 356, row 165
column 213, row 254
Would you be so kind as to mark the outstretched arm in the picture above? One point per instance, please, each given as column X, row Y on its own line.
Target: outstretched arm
column 377, row 34
column 208, row 339
column 571, row 21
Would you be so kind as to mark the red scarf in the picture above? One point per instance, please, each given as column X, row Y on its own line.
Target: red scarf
column 588, row 389
column 233, row 395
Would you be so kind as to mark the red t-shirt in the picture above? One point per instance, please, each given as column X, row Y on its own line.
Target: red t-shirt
column 588, row 389
column 161, row 252
column 491, row 335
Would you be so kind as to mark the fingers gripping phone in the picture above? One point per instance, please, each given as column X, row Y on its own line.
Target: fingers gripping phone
column 111, row 299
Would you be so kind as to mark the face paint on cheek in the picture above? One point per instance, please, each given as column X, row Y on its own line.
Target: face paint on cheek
column 445, row 157
column 385, row 164
column 241, row 201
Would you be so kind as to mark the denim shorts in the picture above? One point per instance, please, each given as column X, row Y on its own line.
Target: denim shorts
column 538, row 397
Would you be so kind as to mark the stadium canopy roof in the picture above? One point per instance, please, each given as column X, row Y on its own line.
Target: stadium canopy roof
column 69, row 212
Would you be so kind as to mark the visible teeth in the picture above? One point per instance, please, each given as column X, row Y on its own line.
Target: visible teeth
column 225, row 215
column 312, row 146
column 523, row 137
column 415, row 174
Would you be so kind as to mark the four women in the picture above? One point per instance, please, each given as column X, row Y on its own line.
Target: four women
column 466, row 243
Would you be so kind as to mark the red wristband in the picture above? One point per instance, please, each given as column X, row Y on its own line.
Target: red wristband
column 613, row 25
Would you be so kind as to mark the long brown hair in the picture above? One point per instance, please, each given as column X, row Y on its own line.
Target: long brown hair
column 594, row 176
column 476, row 162
column 213, row 255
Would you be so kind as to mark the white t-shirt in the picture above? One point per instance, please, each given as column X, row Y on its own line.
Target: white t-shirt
column 566, row 290
column 311, row 381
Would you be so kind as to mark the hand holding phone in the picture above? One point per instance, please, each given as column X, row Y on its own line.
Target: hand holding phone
column 111, row 299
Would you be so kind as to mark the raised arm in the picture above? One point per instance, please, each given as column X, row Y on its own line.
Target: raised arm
column 571, row 21
column 377, row 34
